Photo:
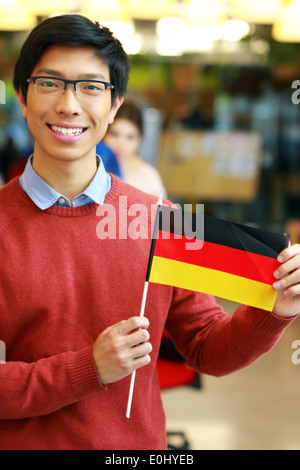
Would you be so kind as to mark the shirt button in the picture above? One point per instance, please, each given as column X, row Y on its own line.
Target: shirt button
column 61, row 200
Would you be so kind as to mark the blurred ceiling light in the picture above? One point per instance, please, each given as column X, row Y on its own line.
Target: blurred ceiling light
column 104, row 10
column 14, row 17
column 204, row 12
column 286, row 28
column 121, row 29
column 201, row 45
column 256, row 11
column 169, row 48
column 152, row 9
column 259, row 46
column 177, row 37
column 125, row 32
column 234, row 30
column 9, row 3
column 42, row 8
column 204, row 33
column 132, row 45
column 171, row 27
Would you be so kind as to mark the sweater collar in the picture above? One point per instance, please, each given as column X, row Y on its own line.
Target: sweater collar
column 44, row 196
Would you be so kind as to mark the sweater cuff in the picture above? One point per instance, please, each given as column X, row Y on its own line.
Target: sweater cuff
column 83, row 374
column 268, row 322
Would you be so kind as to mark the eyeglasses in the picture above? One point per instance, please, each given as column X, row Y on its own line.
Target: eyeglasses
column 53, row 87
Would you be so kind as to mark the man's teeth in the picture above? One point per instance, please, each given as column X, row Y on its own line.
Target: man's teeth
column 67, row 130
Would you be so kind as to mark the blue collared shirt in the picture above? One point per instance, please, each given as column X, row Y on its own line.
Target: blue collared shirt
column 44, row 196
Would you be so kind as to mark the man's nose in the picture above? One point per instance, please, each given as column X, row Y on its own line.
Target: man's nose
column 68, row 102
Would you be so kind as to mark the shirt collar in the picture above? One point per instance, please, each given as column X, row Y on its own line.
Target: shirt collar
column 44, row 196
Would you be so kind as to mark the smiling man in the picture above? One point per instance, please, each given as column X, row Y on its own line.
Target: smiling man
column 67, row 124
column 70, row 302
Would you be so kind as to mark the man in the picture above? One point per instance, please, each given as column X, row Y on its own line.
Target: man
column 70, row 301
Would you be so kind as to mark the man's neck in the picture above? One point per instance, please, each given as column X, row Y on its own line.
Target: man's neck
column 69, row 178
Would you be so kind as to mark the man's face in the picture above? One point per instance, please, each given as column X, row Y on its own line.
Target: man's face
column 48, row 117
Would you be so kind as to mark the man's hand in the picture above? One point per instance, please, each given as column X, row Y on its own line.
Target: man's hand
column 288, row 283
column 121, row 349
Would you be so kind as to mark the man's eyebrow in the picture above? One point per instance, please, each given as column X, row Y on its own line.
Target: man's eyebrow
column 49, row 72
column 93, row 76
column 83, row 76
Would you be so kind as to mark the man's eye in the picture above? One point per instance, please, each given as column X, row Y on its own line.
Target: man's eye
column 91, row 87
column 48, row 84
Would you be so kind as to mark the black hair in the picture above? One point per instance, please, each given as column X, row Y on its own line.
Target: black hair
column 72, row 30
column 132, row 112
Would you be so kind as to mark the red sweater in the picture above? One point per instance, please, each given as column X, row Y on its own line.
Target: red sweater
column 60, row 287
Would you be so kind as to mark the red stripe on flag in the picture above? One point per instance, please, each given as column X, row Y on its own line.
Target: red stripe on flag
column 219, row 257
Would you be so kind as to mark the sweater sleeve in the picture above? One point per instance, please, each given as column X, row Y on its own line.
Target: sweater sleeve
column 216, row 343
column 42, row 387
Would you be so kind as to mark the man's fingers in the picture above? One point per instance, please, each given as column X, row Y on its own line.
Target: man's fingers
column 140, row 336
column 122, row 348
column 288, row 253
column 133, row 324
column 289, row 266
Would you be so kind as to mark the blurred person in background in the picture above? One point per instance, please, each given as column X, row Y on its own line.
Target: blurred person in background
column 8, row 157
column 109, row 159
column 124, row 137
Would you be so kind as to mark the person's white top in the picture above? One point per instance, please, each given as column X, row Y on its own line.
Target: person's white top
column 143, row 176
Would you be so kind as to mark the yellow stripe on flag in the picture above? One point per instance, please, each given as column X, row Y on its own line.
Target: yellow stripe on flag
column 209, row 281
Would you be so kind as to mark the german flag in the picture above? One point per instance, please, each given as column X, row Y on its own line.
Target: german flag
column 231, row 261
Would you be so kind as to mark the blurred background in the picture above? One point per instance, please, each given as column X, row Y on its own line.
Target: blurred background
column 218, row 85
column 217, row 82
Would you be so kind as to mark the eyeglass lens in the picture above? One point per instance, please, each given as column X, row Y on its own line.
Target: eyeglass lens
column 50, row 87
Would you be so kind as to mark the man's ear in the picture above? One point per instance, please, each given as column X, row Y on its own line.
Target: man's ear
column 117, row 103
column 22, row 104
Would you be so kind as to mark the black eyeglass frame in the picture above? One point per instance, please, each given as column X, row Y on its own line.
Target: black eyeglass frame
column 74, row 82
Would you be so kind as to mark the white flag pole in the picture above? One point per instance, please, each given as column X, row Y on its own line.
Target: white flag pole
column 134, row 372
column 142, row 312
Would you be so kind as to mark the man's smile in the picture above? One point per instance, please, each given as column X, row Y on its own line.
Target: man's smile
column 68, row 131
